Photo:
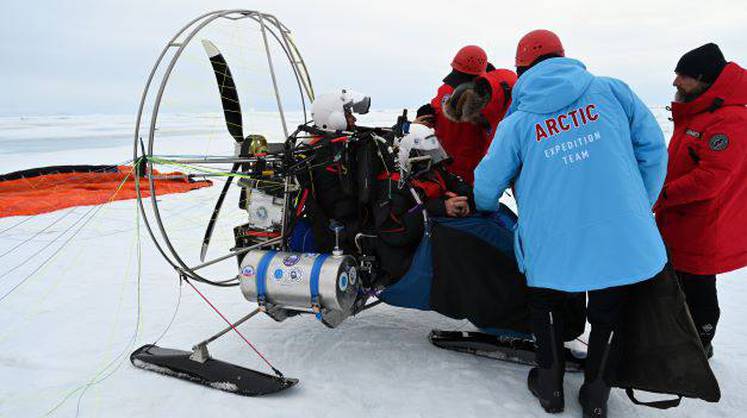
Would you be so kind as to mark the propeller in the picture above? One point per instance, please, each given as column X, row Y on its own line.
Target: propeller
column 229, row 98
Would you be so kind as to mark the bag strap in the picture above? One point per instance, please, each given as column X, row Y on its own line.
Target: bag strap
column 665, row 404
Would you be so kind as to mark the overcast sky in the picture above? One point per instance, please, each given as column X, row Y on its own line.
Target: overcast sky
column 81, row 56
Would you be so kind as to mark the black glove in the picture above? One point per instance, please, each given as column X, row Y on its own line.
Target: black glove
column 425, row 110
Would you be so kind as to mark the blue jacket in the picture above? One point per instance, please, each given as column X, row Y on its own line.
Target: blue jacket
column 587, row 161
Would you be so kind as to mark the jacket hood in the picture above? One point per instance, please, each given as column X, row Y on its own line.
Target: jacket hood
column 551, row 85
column 729, row 89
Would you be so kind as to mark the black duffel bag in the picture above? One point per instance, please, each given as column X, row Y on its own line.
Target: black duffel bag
column 658, row 348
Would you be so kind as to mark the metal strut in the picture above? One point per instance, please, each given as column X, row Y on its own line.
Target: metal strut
column 200, row 352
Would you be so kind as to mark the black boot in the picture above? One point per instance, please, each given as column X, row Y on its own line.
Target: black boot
column 595, row 392
column 546, row 384
column 593, row 397
column 702, row 301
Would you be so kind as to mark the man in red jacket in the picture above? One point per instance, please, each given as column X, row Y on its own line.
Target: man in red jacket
column 466, row 137
column 702, row 210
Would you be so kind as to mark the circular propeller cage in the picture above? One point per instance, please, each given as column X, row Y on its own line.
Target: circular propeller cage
column 273, row 35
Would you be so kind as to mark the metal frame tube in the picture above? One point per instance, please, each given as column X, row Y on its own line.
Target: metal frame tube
column 227, row 160
column 229, row 328
column 180, row 41
column 278, row 99
column 237, row 252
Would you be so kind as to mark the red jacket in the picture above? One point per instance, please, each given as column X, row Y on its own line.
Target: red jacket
column 467, row 143
column 702, row 211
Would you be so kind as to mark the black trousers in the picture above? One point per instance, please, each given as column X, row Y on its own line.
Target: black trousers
column 702, row 300
column 604, row 310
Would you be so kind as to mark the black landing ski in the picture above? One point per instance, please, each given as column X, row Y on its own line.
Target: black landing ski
column 504, row 348
column 213, row 373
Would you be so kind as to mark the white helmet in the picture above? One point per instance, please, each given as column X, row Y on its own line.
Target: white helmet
column 423, row 141
column 328, row 110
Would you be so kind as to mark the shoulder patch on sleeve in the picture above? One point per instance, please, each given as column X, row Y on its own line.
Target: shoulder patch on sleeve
column 718, row 142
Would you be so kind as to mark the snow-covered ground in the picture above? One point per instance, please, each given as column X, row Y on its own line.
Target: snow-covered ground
column 71, row 302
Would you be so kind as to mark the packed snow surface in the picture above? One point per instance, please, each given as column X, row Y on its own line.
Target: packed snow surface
column 72, row 300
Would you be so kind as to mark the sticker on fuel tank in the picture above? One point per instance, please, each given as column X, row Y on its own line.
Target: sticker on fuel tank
column 295, row 275
column 353, row 275
column 248, row 271
column 291, row 260
column 343, row 282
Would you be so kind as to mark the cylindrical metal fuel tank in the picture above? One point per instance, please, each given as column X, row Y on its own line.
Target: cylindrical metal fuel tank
column 300, row 280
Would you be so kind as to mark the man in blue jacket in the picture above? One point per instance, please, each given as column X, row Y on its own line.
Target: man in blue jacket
column 587, row 161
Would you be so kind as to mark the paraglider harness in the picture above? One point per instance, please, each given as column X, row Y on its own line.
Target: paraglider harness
column 332, row 178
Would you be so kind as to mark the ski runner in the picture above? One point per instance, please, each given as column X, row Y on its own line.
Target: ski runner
column 701, row 212
column 587, row 161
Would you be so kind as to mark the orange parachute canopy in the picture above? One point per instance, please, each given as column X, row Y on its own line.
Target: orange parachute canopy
column 47, row 189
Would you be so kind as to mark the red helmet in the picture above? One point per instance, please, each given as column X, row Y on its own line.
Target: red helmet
column 536, row 44
column 470, row 60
